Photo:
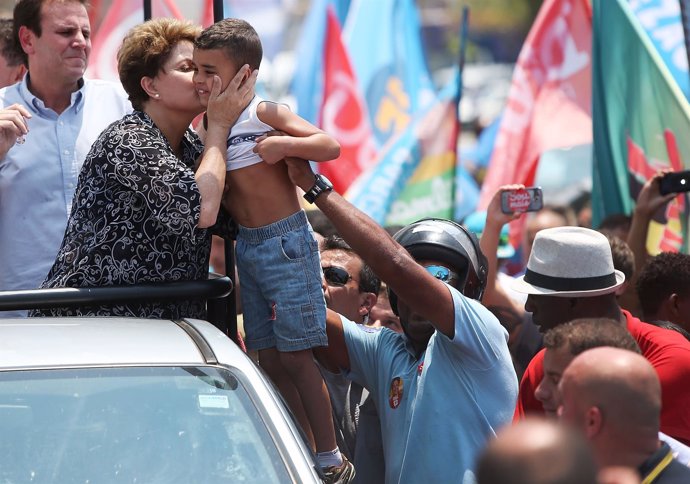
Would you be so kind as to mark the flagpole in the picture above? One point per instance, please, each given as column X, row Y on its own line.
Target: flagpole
column 147, row 10
column 229, row 247
column 464, row 26
column 218, row 13
column 684, row 20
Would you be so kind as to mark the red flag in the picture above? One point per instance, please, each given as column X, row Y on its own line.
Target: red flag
column 550, row 99
column 207, row 15
column 343, row 112
column 122, row 16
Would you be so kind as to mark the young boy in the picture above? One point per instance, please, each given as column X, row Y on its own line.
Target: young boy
column 277, row 255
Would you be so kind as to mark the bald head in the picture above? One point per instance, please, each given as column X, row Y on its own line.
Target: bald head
column 536, row 451
column 603, row 390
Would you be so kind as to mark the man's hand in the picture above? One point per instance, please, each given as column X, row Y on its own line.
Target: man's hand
column 300, row 173
column 650, row 199
column 494, row 215
column 13, row 125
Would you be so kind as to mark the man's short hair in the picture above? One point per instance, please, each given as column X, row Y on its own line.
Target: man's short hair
column 616, row 221
column 586, row 333
column 236, row 38
column 368, row 280
column 623, row 257
column 144, row 51
column 27, row 13
column 664, row 274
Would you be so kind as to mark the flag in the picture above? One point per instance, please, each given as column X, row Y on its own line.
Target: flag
column 413, row 176
column 122, row 16
column 384, row 41
column 307, row 82
column 661, row 20
column 343, row 112
column 641, row 121
column 549, row 101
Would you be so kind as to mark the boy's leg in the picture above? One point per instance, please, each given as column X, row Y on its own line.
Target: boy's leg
column 307, row 380
column 270, row 361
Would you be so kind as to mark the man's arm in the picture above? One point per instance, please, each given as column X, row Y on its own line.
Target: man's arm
column 648, row 202
column 495, row 295
column 303, row 140
column 335, row 357
column 423, row 293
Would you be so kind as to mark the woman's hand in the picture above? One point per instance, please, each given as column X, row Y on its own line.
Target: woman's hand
column 225, row 107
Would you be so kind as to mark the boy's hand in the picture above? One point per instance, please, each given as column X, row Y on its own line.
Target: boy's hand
column 271, row 148
column 225, row 107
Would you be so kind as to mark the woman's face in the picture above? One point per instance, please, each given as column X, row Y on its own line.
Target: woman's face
column 174, row 83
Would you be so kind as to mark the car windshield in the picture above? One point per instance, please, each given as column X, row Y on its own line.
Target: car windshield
column 134, row 425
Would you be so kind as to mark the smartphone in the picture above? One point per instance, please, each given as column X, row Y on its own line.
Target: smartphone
column 524, row 200
column 675, row 182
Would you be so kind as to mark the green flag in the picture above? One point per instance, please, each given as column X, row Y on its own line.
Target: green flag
column 641, row 121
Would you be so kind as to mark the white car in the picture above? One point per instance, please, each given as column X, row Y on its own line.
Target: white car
column 115, row 400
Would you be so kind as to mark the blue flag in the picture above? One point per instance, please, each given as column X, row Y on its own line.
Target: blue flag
column 384, row 41
column 661, row 19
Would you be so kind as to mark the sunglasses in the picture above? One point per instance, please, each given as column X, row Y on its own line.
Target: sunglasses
column 336, row 276
column 442, row 273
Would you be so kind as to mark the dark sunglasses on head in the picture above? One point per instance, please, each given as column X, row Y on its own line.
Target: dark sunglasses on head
column 336, row 276
column 441, row 273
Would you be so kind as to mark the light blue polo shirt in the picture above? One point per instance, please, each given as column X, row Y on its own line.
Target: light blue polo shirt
column 453, row 399
column 38, row 178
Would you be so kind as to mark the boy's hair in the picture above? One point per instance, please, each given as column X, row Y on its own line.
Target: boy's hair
column 236, row 38
column 144, row 51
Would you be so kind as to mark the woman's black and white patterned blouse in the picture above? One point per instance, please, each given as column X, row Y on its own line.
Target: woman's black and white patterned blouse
column 134, row 220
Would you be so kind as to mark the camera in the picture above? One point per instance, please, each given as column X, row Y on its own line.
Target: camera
column 675, row 182
column 523, row 200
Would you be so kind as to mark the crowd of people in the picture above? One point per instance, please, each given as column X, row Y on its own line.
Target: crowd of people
column 407, row 354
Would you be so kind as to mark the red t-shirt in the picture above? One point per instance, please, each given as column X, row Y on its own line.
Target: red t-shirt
column 668, row 351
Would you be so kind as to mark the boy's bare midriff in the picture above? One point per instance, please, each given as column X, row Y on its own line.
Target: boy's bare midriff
column 260, row 194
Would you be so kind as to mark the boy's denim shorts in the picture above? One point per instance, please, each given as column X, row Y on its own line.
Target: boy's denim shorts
column 280, row 285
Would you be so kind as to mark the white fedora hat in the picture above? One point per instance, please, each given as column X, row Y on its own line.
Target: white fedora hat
column 569, row 262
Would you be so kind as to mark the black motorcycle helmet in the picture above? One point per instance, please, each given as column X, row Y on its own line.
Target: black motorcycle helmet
column 449, row 243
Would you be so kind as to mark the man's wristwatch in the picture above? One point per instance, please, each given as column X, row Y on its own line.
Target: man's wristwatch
column 321, row 184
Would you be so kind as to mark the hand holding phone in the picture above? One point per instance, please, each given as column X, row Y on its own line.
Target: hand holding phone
column 675, row 182
column 523, row 200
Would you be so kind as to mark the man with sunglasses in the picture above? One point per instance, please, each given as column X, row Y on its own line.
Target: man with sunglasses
column 447, row 384
column 350, row 289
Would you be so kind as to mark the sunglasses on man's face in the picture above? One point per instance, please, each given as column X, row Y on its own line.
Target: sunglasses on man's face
column 442, row 273
column 336, row 276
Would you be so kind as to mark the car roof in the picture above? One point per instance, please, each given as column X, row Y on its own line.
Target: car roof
column 60, row 342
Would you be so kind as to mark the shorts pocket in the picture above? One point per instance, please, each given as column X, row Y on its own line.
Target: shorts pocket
column 293, row 246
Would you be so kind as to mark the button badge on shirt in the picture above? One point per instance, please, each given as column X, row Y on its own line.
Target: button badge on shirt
column 396, row 392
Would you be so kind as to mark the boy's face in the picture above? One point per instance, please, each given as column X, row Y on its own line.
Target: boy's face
column 210, row 62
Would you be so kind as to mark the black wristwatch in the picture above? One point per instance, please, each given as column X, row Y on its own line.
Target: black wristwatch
column 321, row 184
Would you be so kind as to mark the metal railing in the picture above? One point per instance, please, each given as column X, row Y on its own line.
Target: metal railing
column 217, row 290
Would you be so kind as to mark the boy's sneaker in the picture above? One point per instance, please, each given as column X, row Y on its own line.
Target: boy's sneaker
column 342, row 474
